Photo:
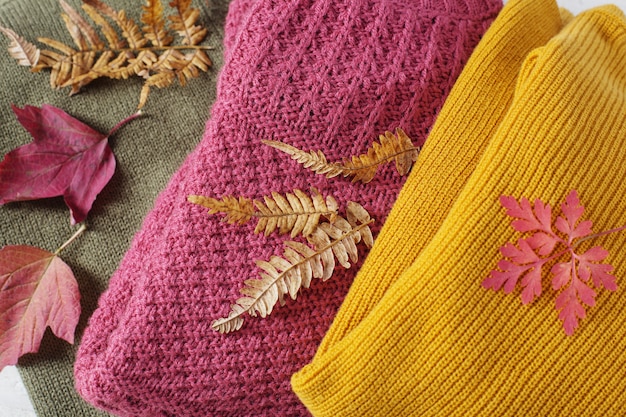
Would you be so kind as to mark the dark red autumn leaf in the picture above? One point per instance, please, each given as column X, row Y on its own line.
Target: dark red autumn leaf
column 37, row 289
column 66, row 158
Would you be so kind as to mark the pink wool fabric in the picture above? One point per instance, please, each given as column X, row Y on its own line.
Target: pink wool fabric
column 317, row 74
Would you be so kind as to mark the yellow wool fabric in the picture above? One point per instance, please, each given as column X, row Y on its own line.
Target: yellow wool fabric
column 438, row 343
column 482, row 93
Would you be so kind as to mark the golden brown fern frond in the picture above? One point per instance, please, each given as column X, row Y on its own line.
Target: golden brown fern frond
column 78, row 23
column 296, row 213
column 238, row 210
column 184, row 22
column 109, row 33
column 146, row 53
column 21, row 50
column 152, row 18
column 285, row 275
column 293, row 213
column 398, row 148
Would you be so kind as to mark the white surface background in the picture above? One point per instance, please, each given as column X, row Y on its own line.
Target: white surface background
column 14, row 401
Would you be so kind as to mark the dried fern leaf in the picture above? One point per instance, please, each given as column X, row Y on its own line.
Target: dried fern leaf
column 154, row 29
column 192, row 65
column 238, row 211
column 314, row 160
column 298, row 266
column 75, row 33
column 184, row 22
column 148, row 54
column 109, row 33
column 398, row 148
column 20, row 49
column 294, row 213
column 85, row 29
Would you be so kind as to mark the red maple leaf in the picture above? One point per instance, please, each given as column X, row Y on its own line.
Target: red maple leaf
column 66, row 158
column 573, row 277
column 37, row 290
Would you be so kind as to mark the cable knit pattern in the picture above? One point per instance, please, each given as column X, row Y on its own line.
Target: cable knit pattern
column 317, row 74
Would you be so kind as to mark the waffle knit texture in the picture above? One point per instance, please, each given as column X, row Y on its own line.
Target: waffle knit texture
column 482, row 94
column 438, row 343
column 317, row 74
column 148, row 151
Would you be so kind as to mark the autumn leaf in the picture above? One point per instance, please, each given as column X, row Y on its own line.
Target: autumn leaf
column 398, row 148
column 299, row 264
column 293, row 213
column 66, row 158
column 146, row 52
column 37, row 290
column 574, row 277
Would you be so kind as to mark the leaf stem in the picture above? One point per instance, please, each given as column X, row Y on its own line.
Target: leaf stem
column 69, row 241
column 123, row 122
column 595, row 235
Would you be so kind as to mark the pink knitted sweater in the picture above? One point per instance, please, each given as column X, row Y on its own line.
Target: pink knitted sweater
column 317, row 74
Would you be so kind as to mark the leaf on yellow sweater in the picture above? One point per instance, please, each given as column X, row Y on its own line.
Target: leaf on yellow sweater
column 293, row 213
column 398, row 148
column 300, row 263
column 147, row 52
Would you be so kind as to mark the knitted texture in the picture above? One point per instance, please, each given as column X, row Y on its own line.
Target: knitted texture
column 146, row 161
column 482, row 94
column 317, row 74
column 441, row 344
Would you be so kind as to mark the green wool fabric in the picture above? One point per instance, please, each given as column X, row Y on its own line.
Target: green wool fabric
column 148, row 151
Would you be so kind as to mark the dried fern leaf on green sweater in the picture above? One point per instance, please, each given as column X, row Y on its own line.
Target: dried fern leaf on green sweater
column 147, row 52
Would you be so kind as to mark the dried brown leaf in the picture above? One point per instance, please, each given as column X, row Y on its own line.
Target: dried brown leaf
column 184, row 22
column 148, row 54
column 295, row 213
column 285, row 275
column 107, row 30
column 238, row 211
column 85, row 29
column 398, row 148
column 23, row 51
column 154, row 29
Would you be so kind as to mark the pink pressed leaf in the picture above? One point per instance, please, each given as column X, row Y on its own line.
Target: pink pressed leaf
column 599, row 273
column 585, row 293
column 37, row 289
column 542, row 242
column 583, row 229
column 506, row 278
column 601, row 277
column 543, row 213
column 595, row 254
column 531, row 284
column 570, row 310
column 66, row 158
column 520, row 255
column 523, row 212
column 562, row 274
column 573, row 210
column 525, row 260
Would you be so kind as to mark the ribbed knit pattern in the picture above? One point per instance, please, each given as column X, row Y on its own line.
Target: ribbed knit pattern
column 482, row 95
column 438, row 344
column 317, row 74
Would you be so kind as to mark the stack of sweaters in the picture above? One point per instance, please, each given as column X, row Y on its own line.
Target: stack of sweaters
column 520, row 113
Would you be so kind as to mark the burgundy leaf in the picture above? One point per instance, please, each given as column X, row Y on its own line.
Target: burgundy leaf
column 66, row 158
